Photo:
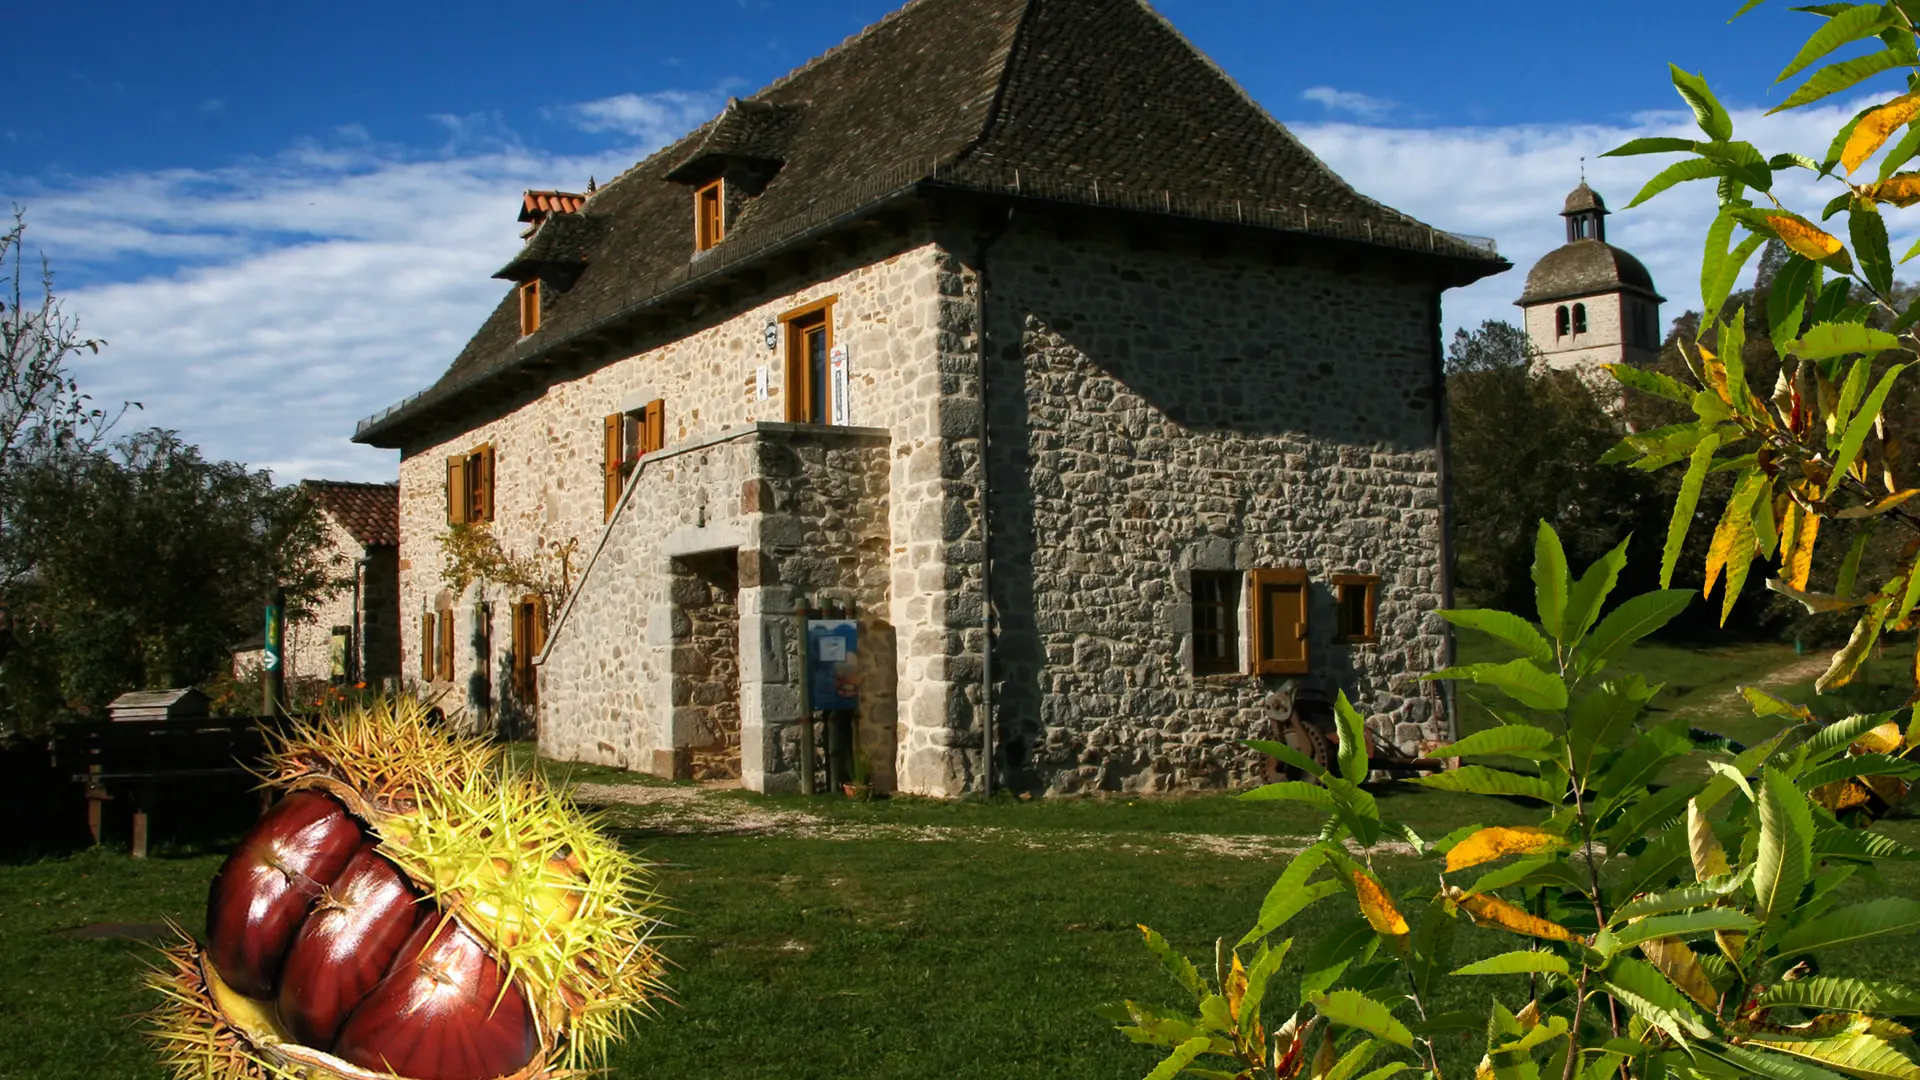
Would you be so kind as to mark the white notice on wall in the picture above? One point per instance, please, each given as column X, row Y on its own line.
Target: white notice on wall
column 837, row 378
column 760, row 382
column 833, row 648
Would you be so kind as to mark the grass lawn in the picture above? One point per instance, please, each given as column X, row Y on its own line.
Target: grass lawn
column 911, row 938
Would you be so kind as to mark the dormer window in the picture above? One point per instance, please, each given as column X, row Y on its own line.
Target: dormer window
column 709, row 215
column 529, row 307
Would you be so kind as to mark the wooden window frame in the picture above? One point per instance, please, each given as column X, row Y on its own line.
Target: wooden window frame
column 797, row 388
column 429, row 645
column 446, row 644
column 529, row 306
column 529, row 638
column 470, row 486
column 1228, row 609
column 1257, row 581
column 625, row 439
column 709, row 215
column 1369, row 631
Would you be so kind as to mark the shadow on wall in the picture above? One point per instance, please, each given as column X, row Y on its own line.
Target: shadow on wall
column 1105, row 347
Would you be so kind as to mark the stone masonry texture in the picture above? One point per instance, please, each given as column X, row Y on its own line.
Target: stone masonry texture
column 1151, row 408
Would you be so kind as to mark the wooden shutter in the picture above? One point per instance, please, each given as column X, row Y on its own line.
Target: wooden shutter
column 429, row 643
column 1278, row 619
column 654, row 427
column 456, row 491
column 483, row 485
column 529, row 307
column 522, row 649
column 610, row 464
column 539, row 625
column 446, row 644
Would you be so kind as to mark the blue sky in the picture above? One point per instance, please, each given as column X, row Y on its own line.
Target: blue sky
column 264, row 206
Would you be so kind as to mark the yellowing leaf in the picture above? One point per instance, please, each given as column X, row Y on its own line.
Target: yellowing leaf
column 1873, row 130
column 1884, row 739
column 1677, row 963
column 1377, row 906
column 1796, row 559
column 1878, row 506
column 1709, row 858
column 1840, row 795
column 1236, row 987
column 1714, row 373
column 1807, row 241
column 1500, row 841
column 1900, row 189
column 1491, row 910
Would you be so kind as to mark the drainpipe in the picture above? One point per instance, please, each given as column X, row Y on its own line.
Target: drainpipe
column 357, row 648
column 987, row 620
column 1443, row 479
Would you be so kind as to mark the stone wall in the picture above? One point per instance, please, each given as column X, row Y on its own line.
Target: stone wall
column 309, row 641
column 630, row 673
column 888, row 311
column 1159, row 410
column 1605, row 341
column 706, row 661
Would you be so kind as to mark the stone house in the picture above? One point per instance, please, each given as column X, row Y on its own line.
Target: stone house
column 354, row 634
column 1012, row 326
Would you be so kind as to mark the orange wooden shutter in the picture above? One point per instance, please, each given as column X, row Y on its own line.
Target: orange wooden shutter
column 521, row 646
column 529, row 307
column 429, row 642
column 1278, row 618
column 610, row 464
column 539, row 625
column 446, row 645
column 484, row 504
column 456, row 491
column 655, row 428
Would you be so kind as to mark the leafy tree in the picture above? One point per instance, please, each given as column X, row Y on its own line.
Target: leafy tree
column 150, row 562
column 1506, row 405
column 42, row 410
column 1819, row 449
column 1655, row 929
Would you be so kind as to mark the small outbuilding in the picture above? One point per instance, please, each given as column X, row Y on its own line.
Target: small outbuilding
column 183, row 704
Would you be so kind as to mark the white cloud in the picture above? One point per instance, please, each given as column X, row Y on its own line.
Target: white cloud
column 1365, row 106
column 264, row 308
column 654, row 118
column 1508, row 183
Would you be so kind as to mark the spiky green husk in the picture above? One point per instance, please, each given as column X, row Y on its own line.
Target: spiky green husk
column 570, row 916
column 567, row 911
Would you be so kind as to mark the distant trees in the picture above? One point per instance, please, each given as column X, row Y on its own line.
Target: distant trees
column 1525, row 439
column 124, row 565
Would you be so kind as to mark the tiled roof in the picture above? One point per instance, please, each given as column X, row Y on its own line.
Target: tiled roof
column 369, row 512
column 1092, row 102
column 1584, row 268
column 536, row 203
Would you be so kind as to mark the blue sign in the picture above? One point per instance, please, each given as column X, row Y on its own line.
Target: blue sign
column 272, row 654
column 833, row 680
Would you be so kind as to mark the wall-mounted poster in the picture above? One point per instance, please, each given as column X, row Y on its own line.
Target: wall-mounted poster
column 833, row 680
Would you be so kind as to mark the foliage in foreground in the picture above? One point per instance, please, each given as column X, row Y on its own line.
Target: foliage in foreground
column 1662, row 930
column 1819, row 447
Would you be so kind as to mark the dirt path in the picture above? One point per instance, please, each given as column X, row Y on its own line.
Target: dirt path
column 695, row 811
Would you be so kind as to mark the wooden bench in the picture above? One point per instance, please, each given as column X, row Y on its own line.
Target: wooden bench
column 136, row 757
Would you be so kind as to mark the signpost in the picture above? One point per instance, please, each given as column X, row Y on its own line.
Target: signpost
column 273, row 660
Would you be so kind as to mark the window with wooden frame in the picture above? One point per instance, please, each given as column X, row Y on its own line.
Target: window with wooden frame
column 446, row 643
column 809, row 334
column 1277, row 621
column 529, row 307
column 709, row 215
column 429, row 646
column 626, row 438
column 1216, row 621
column 470, row 487
column 1355, row 597
column 529, row 637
